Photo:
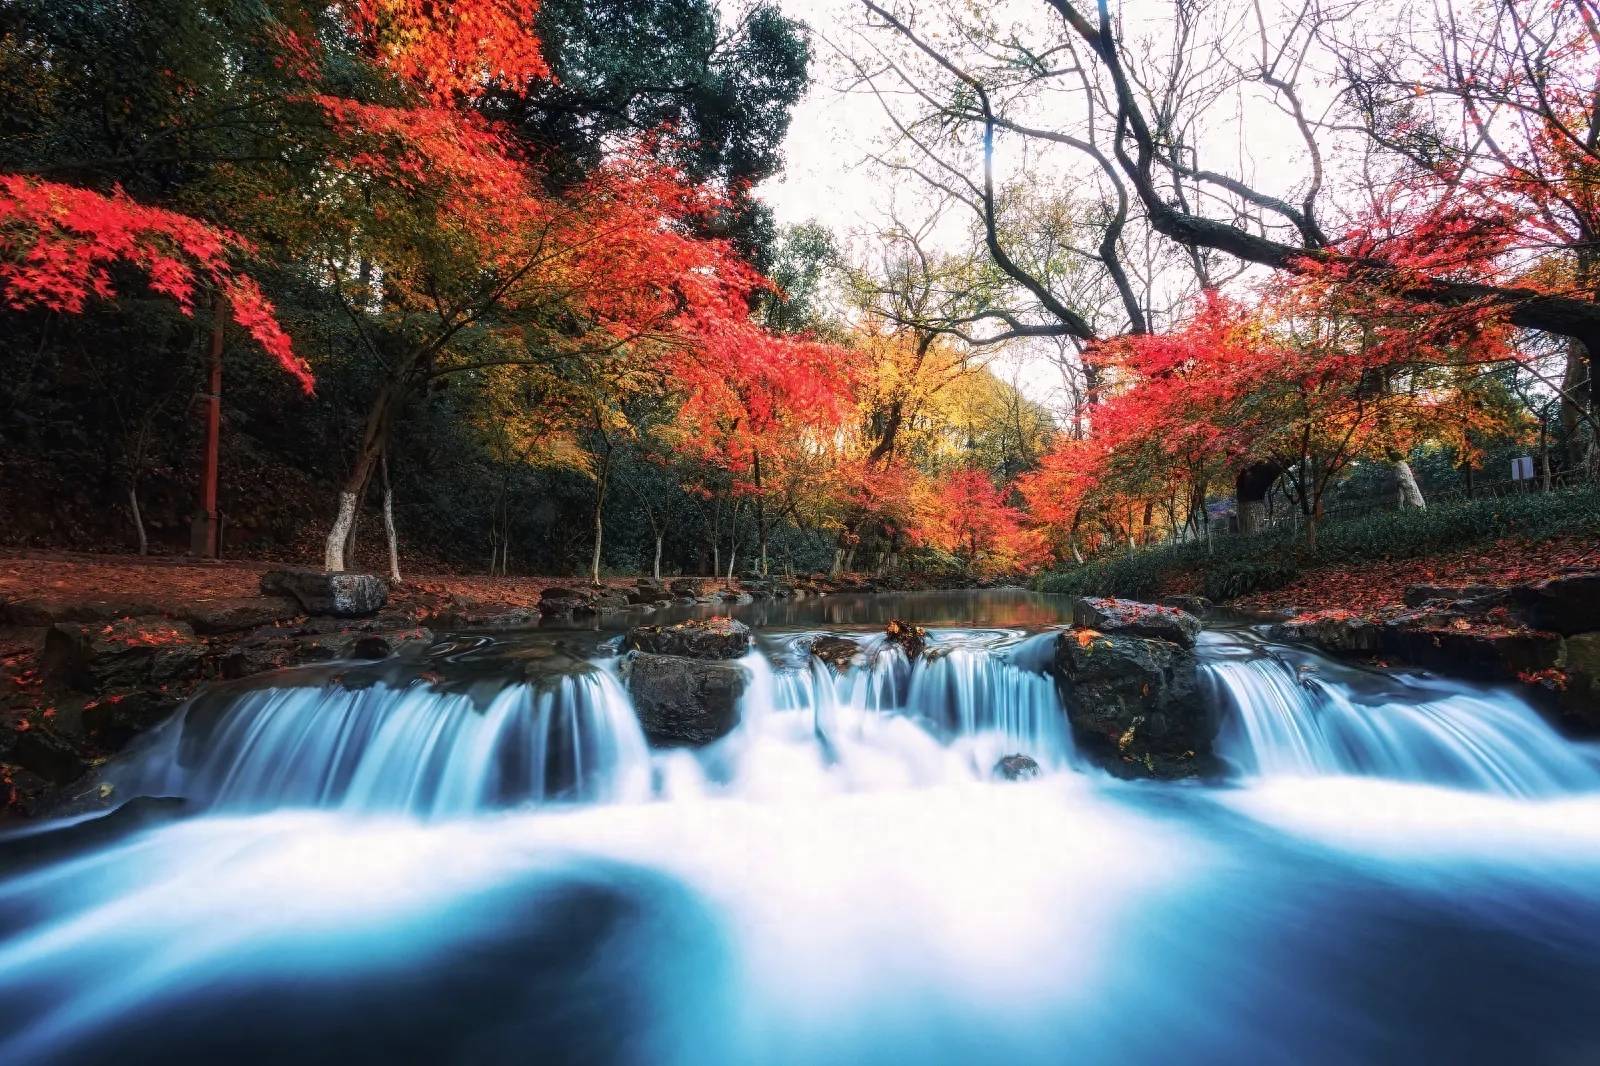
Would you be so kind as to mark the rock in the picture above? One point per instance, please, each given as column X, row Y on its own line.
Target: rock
column 1493, row 654
column 236, row 614
column 277, row 650
column 1192, row 604
column 486, row 616
column 1135, row 619
column 1567, row 605
column 1135, row 703
column 1418, row 595
column 684, row 702
column 837, row 652
column 133, row 653
column 685, row 586
column 41, row 751
column 1580, row 663
column 110, row 723
column 1015, row 768
column 47, row 612
column 714, row 638
column 912, row 639
column 32, row 850
column 344, row 595
column 1347, row 636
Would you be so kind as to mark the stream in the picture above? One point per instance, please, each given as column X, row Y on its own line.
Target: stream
column 476, row 858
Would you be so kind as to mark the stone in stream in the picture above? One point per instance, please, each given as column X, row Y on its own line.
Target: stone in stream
column 343, row 595
column 711, row 638
column 1135, row 619
column 1135, row 703
column 912, row 639
column 684, row 702
column 1568, row 605
column 837, row 652
column 1016, row 767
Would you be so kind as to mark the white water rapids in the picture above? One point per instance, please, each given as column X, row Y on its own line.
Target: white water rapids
column 410, row 870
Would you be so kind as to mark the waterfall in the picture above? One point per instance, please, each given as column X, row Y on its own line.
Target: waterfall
column 1282, row 721
column 406, row 747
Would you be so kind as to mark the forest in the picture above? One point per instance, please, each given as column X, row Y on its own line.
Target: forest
column 491, row 288
column 728, row 532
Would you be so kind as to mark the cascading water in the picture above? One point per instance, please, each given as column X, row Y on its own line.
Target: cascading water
column 840, row 879
column 405, row 747
column 1282, row 718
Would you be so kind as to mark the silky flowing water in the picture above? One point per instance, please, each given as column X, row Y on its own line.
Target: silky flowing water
column 475, row 858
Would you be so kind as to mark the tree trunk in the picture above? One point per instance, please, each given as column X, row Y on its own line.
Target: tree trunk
column 1410, row 491
column 138, row 518
column 599, row 515
column 374, row 436
column 204, row 539
column 761, row 516
column 655, row 570
column 1251, row 486
column 388, row 520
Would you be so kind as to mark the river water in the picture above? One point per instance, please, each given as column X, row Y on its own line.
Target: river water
column 475, row 858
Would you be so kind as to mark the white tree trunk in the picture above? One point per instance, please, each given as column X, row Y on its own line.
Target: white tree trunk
column 655, row 571
column 333, row 556
column 388, row 532
column 1410, row 491
column 138, row 520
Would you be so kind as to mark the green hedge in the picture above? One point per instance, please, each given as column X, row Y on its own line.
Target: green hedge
column 1239, row 566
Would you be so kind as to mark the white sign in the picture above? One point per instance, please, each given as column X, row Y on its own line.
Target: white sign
column 1522, row 469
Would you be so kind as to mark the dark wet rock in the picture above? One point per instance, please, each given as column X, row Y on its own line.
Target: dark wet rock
column 1346, row 636
column 239, row 613
column 1492, row 654
column 1192, row 604
column 485, row 616
column 685, row 586
column 278, row 650
column 343, row 595
column 43, row 752
column 684, row 702
column 602, row 602
column 1135, row 703
column 837, row 652
column 913, row 640
column 1580, row 667
column 1017, row 767
column 712, row 638
column 111, row 722
column 36, row 849
column 130, row 653
column 1135, row 619
column 1569, row 604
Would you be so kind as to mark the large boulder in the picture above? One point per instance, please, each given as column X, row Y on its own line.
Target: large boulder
column 131, row 653
column 1135, row 703
column 1347, row 636
column 238, row 613
column 712, row 638
column 1135, row 619
column 343, row 595
column 684, row 702
column 1567, row 605
column 1491, row 653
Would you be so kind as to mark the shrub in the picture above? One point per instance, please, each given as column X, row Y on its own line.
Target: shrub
column 1238, row 566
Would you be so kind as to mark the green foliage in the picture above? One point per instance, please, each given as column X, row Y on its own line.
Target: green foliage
column 1240, row 566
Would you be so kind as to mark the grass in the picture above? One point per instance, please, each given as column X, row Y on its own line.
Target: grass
column 1238, row 566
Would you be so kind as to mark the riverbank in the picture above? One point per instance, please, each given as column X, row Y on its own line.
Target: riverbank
column 94, row 650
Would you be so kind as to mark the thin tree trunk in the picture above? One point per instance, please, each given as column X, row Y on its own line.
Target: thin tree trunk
column 388, row 520
column 655, row 570
column 374, row 436
column 599, row 516
column 138, row 518
column 1410, row 491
